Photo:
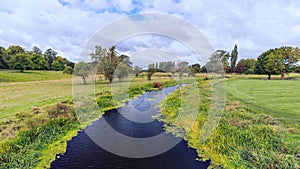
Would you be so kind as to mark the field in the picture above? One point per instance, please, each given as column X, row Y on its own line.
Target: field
column 277, row 98
column 38, row 116
column 259, row 127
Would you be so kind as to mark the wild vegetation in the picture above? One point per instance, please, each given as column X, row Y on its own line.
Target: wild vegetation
column 255, row 131
column 259, row 127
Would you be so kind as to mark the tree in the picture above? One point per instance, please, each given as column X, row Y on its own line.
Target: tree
column 125, row 60
column 38, row 62
column 264, row 65
column 233, row 57
column 137, row 70
column 122, row 71
column 245, row 66
column 109, row 63
column 82, row 69
column 218, row 62
column 56, row 66
column 278, row 61
column 21, row 62
column 4, row 63
column 181, row 68
column 195, row 68
column 285, row 59
column 36, row 50
column 14, row 49
column 151, row 70
column 50, row 56
column 68, row 70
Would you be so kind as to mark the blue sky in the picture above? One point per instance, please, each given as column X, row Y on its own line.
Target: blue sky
column 67, row 25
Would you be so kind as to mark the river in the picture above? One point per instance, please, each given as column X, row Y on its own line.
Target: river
column 134, row 120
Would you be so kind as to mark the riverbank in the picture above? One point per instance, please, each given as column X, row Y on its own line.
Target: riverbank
column 41, row 134
column 244, row 138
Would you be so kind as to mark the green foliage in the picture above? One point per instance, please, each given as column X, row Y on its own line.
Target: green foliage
column 20, row 62
column 68, row 70
column 38, row 62
column 82, row 69
column 151, row 70
column 233, row 57
column 277, row 61
column 137, row 70
column 245, row 66
column 14, row 49
column 50, row 56
column 4, row 64
column 182, row 68
column 122, row 71
column 218, row 62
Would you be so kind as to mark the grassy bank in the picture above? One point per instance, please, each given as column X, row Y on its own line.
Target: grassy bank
column 245, row 137
column 34, row 129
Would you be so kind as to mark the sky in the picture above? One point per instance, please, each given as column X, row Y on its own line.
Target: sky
column 67, row 25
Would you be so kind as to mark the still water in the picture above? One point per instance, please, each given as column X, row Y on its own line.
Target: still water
column 134, row 120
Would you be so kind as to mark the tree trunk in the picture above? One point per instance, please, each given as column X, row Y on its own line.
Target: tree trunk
column 269, row 76
column 110, row 82
column 282, row 74
column 21, row 70
column 84, row 80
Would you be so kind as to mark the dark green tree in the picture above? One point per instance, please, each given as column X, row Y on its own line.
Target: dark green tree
column 21, row 62
column 4, row 60
column 38, row 62
column 50, row 56
column 233, row 57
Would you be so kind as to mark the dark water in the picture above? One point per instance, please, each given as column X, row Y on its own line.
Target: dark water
column 134, row 120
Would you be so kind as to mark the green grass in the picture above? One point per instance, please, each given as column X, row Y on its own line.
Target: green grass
column 40, row 105
column 248, row 135
column 30, row 75
column 277, row 98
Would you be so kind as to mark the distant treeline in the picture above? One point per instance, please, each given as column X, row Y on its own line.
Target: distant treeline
column 16, row 57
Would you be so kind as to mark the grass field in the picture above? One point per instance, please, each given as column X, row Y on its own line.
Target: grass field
column 259, row 127
column 30, row 75
column 277, row 98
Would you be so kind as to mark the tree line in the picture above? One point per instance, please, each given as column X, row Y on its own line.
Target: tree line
column 16, row 57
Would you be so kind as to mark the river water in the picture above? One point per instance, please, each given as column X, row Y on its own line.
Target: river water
column 90, row 148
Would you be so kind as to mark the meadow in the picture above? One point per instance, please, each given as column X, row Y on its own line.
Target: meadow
column 259, row 127
column 38, row 116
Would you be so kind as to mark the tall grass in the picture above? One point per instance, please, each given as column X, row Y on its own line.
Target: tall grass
column 243, row 139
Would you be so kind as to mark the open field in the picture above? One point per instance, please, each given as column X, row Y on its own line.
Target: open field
column 277, row 98
column 258, row 129
column 30, row 75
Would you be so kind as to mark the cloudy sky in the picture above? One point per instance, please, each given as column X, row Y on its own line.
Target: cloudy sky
column 67, row 25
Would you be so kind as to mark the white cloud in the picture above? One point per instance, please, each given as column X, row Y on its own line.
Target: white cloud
column 67, row 25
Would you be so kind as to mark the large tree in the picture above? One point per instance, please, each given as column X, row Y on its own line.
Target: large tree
column 50, row 56
column 137, row 70
column 4, row 60
column 38, row 62
column 122, row 71
column 278, row 61
column 151, row 70
column 263, row 64
column 218, row 62
column 82, row 69
column 182, row 68
column 14, row 49
column 21, row 62
column 233, row 57
column 245, row 66
column 108, row 63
